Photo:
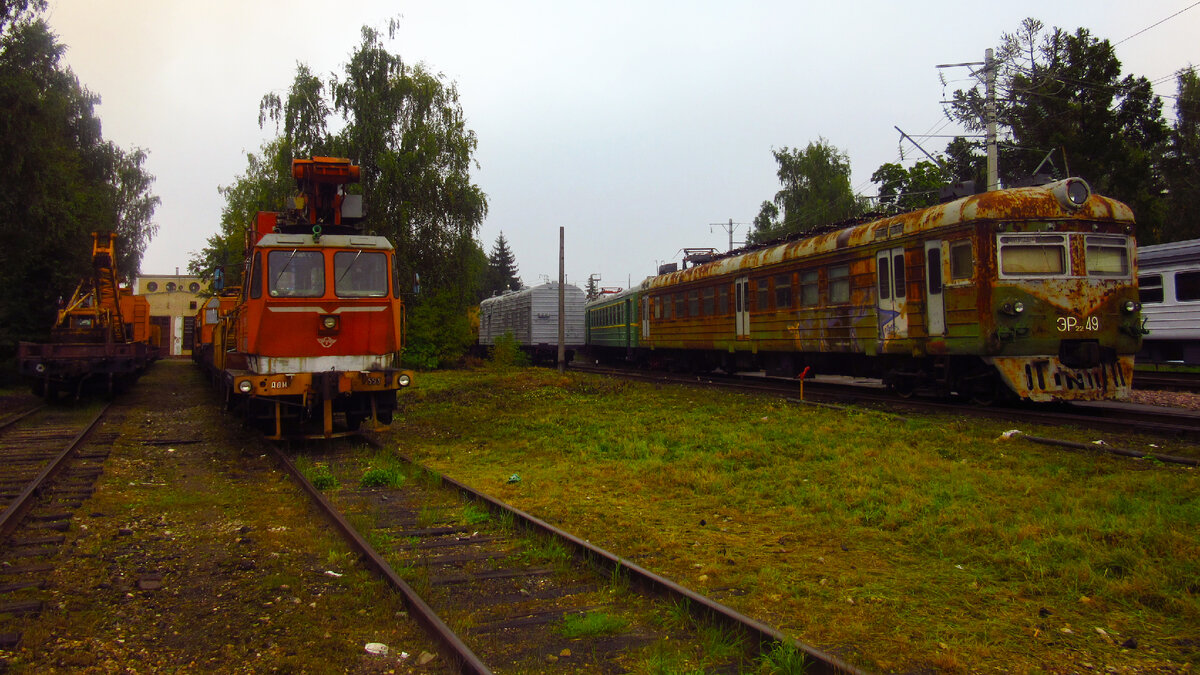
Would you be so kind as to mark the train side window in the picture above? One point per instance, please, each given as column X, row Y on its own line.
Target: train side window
column 884, row 276
column 1150, row 289
column 783, row 291
column 763, row 301
column 710, row 295
column 658, row 314
column 962, row 261
column 810, row 291
column 839, row 284
column 898, row 283
column 693, row 300
column 680, row 307
column 1187, row 286
column 723, row 300
column 256, row 276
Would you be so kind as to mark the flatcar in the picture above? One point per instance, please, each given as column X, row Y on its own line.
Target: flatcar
column 1169, row 289
column 1025, row 292
column 102, row 339
column 530, row 316
column 312, row 346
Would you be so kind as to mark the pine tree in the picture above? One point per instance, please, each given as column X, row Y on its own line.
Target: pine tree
column 502, row 269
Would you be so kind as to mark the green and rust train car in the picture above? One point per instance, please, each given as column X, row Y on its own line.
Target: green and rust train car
column 1027, row 292
column 611, row 325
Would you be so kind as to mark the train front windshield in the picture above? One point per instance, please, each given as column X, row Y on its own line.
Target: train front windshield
column 1049, row 255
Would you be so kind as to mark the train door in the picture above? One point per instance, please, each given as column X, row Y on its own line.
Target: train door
column 741, row 308
column 890, row 282
column 646, row 302
column 935, row 308
column 628, row 318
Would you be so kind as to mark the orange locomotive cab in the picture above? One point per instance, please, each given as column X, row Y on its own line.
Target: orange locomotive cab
column 318, row 332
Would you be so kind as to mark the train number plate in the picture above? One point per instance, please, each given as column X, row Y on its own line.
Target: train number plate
column 1073, row 324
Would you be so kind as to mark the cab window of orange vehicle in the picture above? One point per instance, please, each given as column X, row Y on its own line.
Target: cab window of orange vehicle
column 295, row 274
column 360, row 274
column 256, row 276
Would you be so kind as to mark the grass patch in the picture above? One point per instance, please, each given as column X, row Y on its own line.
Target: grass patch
column 841, row 526
column 317, row 473
column 591, row 624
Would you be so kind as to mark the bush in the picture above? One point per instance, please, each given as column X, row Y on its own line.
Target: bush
column 507, row 352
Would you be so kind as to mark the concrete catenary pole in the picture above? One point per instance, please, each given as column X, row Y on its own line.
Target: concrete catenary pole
column 989, row 68
column 562, row 306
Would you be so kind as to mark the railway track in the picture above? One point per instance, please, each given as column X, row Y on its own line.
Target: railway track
column 52, row 460
column 1167, row 381
column 502, row 591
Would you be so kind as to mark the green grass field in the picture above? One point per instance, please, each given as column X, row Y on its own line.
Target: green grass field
column 898, row 544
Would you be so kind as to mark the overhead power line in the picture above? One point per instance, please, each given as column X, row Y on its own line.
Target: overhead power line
column 1159, row 23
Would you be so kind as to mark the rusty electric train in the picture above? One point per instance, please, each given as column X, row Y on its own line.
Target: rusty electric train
column 1026, row 292
column 310, row 344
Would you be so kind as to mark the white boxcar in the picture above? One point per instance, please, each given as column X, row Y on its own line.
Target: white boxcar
column 1169, row 289
column 531, row 315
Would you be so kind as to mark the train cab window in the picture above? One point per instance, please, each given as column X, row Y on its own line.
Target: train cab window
column 1107, row 256
column 783, row 291
column 810, row 291
column 723, row 300
column 360, row 274
column 1187, row 286
column 710, row 295
column 1150, row 289
column 962, row 261
column 763, row 300
column 839, row 284
column 296, row 274
column 256, row 276
column 1033, row 255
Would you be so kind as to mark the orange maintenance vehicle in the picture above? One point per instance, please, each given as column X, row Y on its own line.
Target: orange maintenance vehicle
column 312, row 345
column 102, row 340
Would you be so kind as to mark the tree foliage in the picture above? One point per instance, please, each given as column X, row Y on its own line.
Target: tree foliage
column 815, row 191
column 909, row 189
column 62, row 180
column 406, row 129
column 502, row 273
column 1066, row 106
column 1182, row 161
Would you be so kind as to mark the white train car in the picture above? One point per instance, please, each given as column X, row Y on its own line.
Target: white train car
column 1169, row 290
column 530, row 315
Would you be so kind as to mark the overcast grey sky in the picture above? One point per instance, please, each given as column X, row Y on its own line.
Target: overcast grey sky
column 635, row 125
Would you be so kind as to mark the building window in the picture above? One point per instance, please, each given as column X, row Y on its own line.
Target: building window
column 151, row 286
column 170, row 286
column 192, row 305
column 194, row 287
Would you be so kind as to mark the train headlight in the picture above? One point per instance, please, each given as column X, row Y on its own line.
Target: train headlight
column 403, row 379
column 1072, row 193
column 1018, row 307
column 329, row 324
column 245, row 386
column 1012, row 308
column 1131, row 306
